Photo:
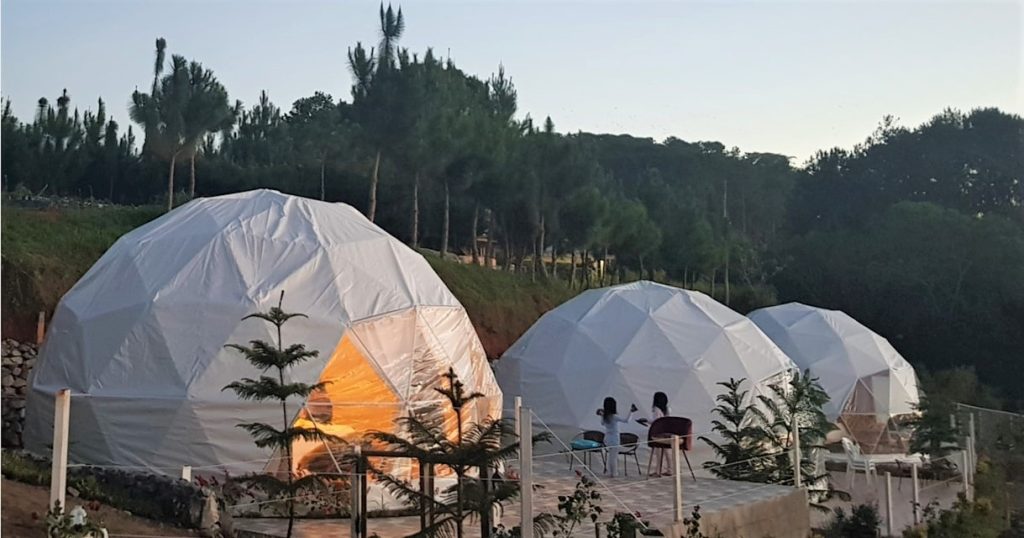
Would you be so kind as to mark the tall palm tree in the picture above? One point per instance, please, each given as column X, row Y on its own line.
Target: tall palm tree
column 392, row 25
column 158, row 67
column 369, row 72
column 161, row 114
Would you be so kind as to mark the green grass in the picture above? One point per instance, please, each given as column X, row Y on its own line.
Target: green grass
column 46, row 251
column 502, row 305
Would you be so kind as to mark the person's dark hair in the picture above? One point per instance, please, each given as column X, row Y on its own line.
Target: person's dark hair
column 609, row 409
column 661, row 402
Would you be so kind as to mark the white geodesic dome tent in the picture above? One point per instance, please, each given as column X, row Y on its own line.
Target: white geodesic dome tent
column 629, row 342
column 140, row 338
column 873, row 388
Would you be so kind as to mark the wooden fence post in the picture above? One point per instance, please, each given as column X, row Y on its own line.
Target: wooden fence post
column 41, row 328
column 59, row 469
column 677, row 480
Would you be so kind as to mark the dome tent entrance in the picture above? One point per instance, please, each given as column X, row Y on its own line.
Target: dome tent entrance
column 631, row 341
column 140, row 338
column 873, row 388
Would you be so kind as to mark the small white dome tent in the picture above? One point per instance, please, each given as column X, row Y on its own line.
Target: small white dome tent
column 633, row 340
column 140, row 338
column 873, row 389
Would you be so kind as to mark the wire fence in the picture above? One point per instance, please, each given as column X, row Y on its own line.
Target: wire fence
column 996, row 433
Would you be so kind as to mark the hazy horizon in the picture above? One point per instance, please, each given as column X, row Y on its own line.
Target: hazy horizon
column 782, row 77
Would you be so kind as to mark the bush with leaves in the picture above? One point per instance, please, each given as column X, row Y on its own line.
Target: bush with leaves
column 476, row 446
column 265, row 357
column 627, row 525
column 576, row 509
column 73, row 524
column 862, row 522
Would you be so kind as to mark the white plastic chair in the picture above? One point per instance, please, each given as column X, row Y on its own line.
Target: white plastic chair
column 857, row 462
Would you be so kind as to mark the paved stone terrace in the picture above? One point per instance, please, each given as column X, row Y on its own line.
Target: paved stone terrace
column 652, row 498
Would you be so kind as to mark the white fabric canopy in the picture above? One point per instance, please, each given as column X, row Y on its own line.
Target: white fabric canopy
column 140, row 338
column 629, row 342
column 867, row 379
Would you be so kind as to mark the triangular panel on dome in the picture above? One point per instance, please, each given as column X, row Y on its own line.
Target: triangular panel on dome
column 873, row 389
column 634, row 340
column 141, row 336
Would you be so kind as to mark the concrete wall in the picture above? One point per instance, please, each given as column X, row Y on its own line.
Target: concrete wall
column 786, row 516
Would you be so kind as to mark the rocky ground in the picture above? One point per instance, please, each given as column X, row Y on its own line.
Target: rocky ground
column 17, row 361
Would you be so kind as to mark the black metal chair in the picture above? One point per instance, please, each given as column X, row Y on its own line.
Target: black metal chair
column 587, row 443
column 630, row 443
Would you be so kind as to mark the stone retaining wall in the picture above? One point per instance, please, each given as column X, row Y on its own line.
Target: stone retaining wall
column 17, row 361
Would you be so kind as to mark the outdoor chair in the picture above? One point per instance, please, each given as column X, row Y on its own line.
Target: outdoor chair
column 587, row 443
column 855, row 461
column 659, row 437
column 630, row 443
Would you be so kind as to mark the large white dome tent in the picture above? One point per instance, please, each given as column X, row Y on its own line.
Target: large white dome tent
column 873, row 388
column 140, row 338
column 633, row 340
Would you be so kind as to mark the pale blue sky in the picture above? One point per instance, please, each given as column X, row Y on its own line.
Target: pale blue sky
column 788, row 77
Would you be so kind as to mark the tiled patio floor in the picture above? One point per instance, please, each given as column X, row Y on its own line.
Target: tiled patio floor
column 653, row 498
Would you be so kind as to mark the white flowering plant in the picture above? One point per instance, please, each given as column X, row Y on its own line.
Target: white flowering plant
column 73, row 524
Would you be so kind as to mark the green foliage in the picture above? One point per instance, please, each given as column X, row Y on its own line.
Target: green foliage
column 932, row 432
column 692, row 525
column 740, row 449
column 24, row 468
column 758, row 439
column 46, row 252
column 267, row 356
column 862, row 522
column 579, row 507
column 925, row 217
column 801, row 401
column 625, row 525
column 477, row 445
column 73, row 524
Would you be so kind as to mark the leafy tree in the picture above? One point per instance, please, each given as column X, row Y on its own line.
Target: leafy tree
column 321, row 129
column 265, row 357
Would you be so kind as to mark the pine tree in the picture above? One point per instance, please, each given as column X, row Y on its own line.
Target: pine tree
column 739, row 447
column 477, row 445
column 267, row 356
column 933, row 433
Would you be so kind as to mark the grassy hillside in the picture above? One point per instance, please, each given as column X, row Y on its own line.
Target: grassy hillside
column 45, row 252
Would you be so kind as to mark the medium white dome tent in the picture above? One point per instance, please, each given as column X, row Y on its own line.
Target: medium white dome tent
column 629, row 342
column 872, row 387
column 140, row 338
